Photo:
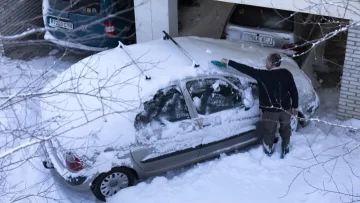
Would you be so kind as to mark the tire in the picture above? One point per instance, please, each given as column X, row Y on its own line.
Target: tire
column 108, row 184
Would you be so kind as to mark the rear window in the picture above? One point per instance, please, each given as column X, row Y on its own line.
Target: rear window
column 85, row 7
column 259, row 17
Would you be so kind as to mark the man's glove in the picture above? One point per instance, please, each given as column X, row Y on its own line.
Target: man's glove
column 219, row 64
column 294, row 112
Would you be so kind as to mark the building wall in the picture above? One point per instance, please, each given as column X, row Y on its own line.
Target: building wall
column 16, row 16
column 349, row 102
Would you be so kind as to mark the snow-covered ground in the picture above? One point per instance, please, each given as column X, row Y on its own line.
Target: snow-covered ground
column 22, row 176
column 323, row 165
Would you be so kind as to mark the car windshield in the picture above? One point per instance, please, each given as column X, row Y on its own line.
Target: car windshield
column 259, row 17
column 85, row 7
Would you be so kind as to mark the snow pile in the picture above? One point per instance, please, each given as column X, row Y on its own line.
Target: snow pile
column 22, row 177
column 21, row 82
column 323, row 166
column 253, row 177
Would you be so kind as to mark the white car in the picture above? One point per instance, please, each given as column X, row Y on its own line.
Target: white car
column 110, row 125
column 267, row 27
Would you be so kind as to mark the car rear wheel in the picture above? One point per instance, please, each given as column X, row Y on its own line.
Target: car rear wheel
column 108, row 184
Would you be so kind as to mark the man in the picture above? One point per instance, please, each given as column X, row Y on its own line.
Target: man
column 278, row 98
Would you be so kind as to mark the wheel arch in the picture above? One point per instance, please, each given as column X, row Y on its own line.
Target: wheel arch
column 125, row 167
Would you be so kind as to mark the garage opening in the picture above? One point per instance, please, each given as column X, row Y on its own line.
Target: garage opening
column 282, row 29
column 202, row 18
column 326, row 60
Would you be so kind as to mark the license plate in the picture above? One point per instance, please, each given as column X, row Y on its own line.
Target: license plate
column 61, row 24
column 260, row 39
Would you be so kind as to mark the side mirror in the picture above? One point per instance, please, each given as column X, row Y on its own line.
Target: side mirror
column 248, row 98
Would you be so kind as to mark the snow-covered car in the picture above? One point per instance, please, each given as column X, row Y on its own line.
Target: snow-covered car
column 111, row 126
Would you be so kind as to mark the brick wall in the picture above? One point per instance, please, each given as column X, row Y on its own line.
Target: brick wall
column 16, row 16
column 349, row 102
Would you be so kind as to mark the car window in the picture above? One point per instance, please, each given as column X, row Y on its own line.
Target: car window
column 234, row 80
column 167, row 105
column 259, row 17
column 85, row 7
column 213, row 95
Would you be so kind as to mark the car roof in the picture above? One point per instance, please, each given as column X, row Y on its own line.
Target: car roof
column 164, row 62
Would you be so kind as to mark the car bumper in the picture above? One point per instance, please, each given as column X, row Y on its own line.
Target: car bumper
column 72, row 180
column 48, row 36
column 309, row 112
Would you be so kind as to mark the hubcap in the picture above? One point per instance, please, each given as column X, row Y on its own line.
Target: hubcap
column 113, row 183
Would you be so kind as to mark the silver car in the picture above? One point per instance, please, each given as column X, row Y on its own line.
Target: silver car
column 181, row 116
column 267, row 27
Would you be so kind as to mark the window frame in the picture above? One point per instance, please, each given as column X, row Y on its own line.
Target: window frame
column 217, row 77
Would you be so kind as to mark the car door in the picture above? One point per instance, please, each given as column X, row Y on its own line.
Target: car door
column 166, row 133
column 227, row 118
column 90, row 17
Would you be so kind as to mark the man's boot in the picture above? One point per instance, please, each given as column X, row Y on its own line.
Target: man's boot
column 285, row 147
column 268, row 149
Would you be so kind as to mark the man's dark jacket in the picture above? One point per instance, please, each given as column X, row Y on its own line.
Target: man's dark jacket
column 277, row 89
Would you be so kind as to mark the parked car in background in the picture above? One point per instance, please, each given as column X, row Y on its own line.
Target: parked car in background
column 267, row 27
column 120, row 126
column 89, row 24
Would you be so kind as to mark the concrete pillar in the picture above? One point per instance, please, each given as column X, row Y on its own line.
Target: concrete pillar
column 154, row 16
column 349, row 102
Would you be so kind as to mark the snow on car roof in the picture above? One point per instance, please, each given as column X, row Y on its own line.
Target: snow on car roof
column 163, row 61
column 107, row 88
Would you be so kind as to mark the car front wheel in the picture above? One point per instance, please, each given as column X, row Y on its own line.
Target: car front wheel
column 108, row 184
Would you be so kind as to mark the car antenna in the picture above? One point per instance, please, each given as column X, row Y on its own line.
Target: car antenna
column 137, row 64
column 167, row 37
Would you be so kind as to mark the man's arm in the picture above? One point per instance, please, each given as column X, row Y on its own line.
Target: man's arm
column 243, row 68
column 293, row 93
